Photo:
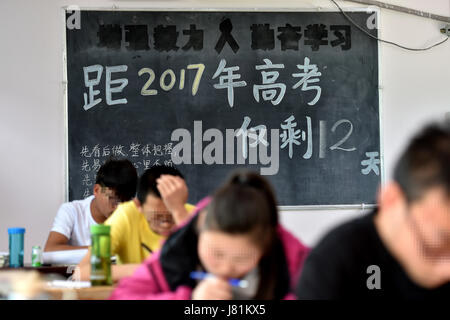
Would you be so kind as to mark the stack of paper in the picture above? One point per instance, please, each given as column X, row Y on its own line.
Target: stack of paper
column 66, row 257
column 69, row 284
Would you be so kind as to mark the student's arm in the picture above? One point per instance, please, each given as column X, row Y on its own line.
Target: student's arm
column 83, row 270
column 174, row 193
column 57, row 241
column 61, row 231
column 121, row 271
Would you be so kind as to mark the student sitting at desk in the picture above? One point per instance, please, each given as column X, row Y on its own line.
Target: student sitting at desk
column 234, row 241
column 402, row 251
column 115, row 182
column 138, row 227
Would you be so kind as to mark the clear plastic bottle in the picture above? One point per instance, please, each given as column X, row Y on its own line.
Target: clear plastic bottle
column 36, row 256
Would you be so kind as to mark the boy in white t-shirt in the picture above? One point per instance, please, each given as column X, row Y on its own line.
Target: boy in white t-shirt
column 116, row 182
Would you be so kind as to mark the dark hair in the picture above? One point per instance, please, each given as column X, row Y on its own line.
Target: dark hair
column 120, row 176
column 246, row 204
column 425, row 163
column 147, row 182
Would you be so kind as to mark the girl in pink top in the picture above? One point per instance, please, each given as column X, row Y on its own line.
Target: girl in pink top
column 234, row 235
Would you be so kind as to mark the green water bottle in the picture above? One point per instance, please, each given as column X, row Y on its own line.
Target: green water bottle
column 101, row 256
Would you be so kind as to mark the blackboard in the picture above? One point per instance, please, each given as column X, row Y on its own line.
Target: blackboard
column 302, row 87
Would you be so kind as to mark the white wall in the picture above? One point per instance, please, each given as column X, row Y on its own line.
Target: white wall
column 415, row 89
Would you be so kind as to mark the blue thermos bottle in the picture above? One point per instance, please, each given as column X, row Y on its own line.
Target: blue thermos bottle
column 16, row 242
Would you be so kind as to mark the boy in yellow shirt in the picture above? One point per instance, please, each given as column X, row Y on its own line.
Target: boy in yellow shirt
column 139, row 226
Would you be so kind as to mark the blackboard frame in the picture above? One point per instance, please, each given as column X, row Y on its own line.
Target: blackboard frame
column 368, row 9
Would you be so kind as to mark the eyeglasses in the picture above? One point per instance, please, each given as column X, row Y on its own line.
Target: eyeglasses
column 160, row 217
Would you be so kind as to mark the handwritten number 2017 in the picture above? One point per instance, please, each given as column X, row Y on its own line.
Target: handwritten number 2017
column 145, row 91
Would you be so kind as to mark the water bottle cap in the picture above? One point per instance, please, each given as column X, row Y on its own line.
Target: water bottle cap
column 16, row 230
column 100, row 229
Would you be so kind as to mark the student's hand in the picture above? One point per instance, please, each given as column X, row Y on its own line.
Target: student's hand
column 212, row 289
column 174, row 193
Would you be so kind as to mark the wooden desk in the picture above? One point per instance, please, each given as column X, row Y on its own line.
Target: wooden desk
column 28, row 283
column 92, row 293
column 60, row 270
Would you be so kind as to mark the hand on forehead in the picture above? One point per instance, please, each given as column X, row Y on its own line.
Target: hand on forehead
column 167, row 182
column 173, row 190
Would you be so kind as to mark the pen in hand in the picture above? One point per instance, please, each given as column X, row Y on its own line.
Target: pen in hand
column 198, row 275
